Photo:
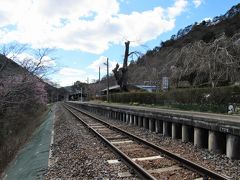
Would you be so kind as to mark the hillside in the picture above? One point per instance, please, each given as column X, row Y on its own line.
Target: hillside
column 208, row 30
column 10, row 68
column 172, row 53
column 23, row 99
column 185, row 58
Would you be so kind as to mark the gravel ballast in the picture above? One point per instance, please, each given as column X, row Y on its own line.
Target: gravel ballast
column 216, row 162
column 77, row 154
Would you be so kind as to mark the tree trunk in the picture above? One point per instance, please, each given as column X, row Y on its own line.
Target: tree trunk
column 124, row 69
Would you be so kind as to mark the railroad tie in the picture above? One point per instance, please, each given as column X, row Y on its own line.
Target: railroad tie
column 121, row 142
column 114, row 161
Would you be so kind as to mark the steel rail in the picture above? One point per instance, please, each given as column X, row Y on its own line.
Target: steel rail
column 129, row 162
column 187, row 163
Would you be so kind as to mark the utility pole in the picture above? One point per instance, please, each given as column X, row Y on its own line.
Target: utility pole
column 107, row 80
column 99, row 83
column 99, row 73
column 86, row 88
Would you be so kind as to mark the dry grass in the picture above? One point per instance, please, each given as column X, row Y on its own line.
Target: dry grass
column 14, row 142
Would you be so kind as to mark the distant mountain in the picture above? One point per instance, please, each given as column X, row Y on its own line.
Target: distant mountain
column 235, row 10
column 232, row 13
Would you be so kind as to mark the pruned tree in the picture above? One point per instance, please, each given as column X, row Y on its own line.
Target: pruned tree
column 121, row 74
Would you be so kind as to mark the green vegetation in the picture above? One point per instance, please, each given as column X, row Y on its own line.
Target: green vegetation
column 197, row 99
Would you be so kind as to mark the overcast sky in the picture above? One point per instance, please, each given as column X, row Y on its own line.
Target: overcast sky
column 85, row 32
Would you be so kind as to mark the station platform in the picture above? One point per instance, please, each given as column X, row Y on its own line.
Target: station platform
column 217, row 132
column 212, row 117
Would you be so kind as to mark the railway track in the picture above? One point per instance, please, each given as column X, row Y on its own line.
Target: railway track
column 145, row 159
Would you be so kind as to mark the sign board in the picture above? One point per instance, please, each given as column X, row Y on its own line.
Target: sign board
column 165, row 83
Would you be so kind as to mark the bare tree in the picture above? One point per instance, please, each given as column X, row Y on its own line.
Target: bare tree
column 212, row 62
column 23, row 95
column 40, row 63
column 11, row 51
column 21, row 87
column 223, row 58
column 121, row 74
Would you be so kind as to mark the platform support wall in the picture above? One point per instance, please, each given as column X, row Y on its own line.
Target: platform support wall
column 200, row 137
column 216, row 142
column 233, row 146
column 151, row 123
column 135, row 120
column 157, row 125
column 166, row 128
column 176, row 131
column 140, row 124
column 187, row 133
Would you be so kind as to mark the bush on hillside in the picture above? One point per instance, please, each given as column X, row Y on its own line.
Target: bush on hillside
column 201, row 99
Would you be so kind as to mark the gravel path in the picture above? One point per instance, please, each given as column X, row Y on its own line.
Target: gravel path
column 217, row 162
column 77, row 154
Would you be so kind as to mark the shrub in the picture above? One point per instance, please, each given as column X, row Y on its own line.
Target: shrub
column 200, row 99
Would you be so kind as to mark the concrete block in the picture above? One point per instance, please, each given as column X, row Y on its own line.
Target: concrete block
column 140, row 121
column 176, row 131
column 135, row 120
column 124, row 117
column 187, row 133
column 200, row 137
column 157, row 125
column 118, row 115
column 151, row 123
column 144, row 122
column 233, row 146
column 147, row 123
column 160, row 126
column 131, row 119
column 216, row 142
column 127, row 118
column 166, row 128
